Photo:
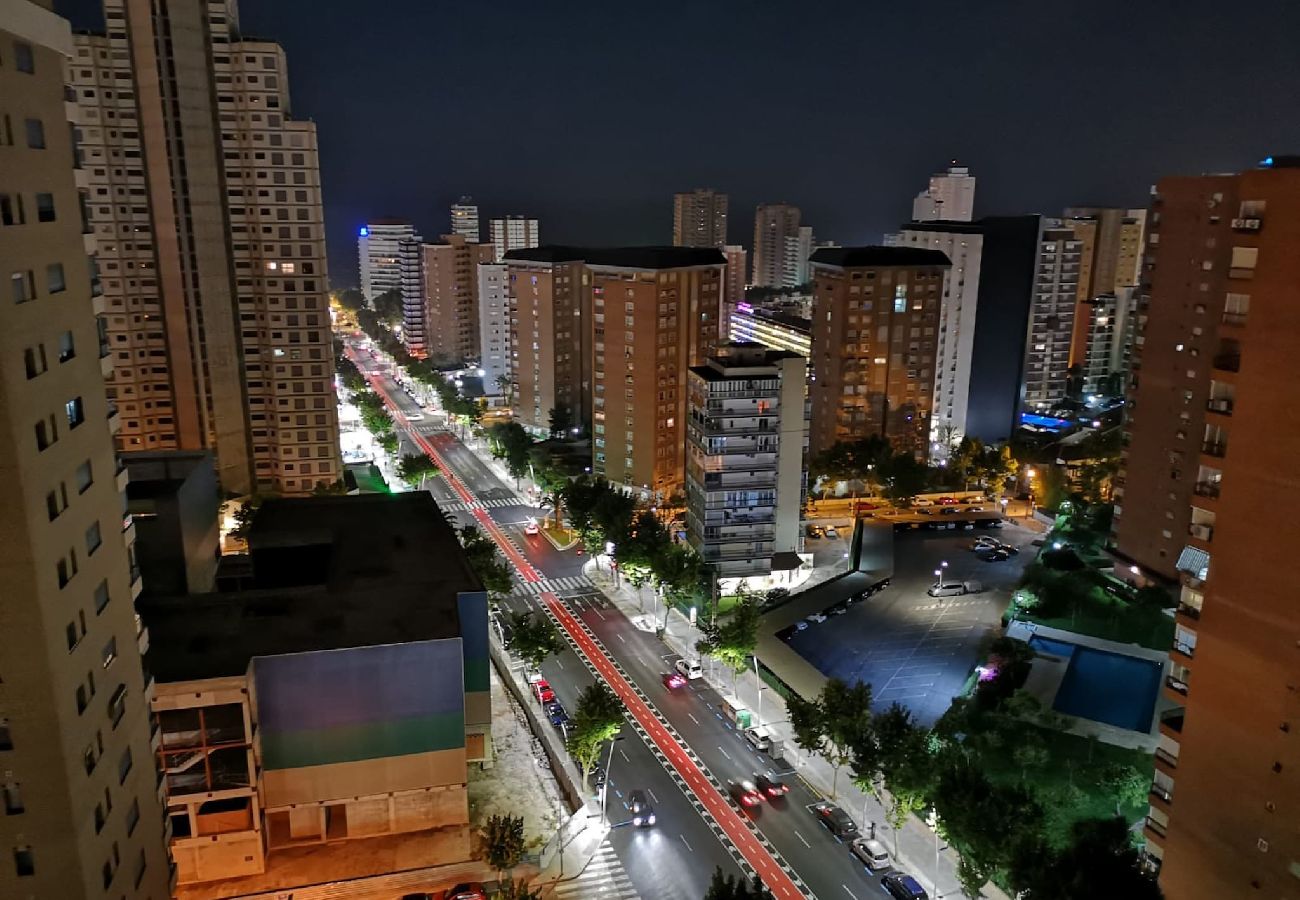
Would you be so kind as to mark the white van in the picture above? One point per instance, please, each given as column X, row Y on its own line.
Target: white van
column 955, row 589
column 690, row 668
column 759, row 738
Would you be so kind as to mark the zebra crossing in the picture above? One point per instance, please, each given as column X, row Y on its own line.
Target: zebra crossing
column 462, row 506
column 604, row 878
column 553, row 585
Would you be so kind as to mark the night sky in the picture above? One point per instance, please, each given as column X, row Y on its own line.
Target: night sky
column 590, row 115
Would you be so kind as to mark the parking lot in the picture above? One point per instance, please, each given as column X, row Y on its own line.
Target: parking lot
column 911, row 648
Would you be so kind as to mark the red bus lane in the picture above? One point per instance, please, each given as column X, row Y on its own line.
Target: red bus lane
column 772, row 875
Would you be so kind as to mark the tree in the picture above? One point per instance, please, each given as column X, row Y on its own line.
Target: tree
column 734, row 887
column 503, row 843
column 388, row 441
column 560, row 420
column 415, row 467
column 245, row 514
column 329, row 488
column 507, row 388
column 732, row 639
column 597, row 719
column 903, row 476
column 511, row 443
column 485, row 560
column 1030, row 753
column 906, row 762
column 1128, row 785
column 838, row 726
column 533, row 638
column 986, row 822
column 351, row 298
column 388, row 307
column 1099, row 861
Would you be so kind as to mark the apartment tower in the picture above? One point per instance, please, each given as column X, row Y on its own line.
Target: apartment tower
column 1061, row 255
column 464, row 219
column 950, row 197
column 512, row 233
column 1214, row 435
column 494, row 328
column 203, row 194
column 875, row 327
column 1110, row 262
column 775, row 224
column 700, row 218
column 378, row 246
column 447, row 304
column 82, row 817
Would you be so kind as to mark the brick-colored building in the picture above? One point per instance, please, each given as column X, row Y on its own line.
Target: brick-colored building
column 1214, row 436
column 450, row 270
column 700, row 218
column 874, row 336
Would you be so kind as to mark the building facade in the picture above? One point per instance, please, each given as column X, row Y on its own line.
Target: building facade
column 700, row 218
column 464, row 219
column 494, row 328
column 378, row 246
column 875, row 339
column 81, row 812
column 1110, row 262
column 795, row 269
column 950, row 197
column 774, row 225
column 1214, row 436
column 751, row 324
column 1061, row 254
column 204, row 197
column 512, row 233
column 450, row 303
column 746, row 442
column 410, row 261
column 1110, row 322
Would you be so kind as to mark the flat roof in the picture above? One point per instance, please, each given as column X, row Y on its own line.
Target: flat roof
column 846, row 257
column 653, row 257
column 329, row 573
column 789, row 320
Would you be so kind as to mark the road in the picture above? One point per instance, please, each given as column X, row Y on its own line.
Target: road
column 692, row 750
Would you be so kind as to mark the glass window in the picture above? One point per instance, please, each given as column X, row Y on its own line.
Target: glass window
column 35, row 134
column 54, row 280
column 45, row 208
column 85, row 477
column 24, row 862
column 93, row 539
column 101, row 596
column 75, row 411
column 23, row 59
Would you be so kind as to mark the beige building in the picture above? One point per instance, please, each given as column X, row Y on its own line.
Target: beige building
column 776, row 226
column 203, row 194
column 451, row 312
column 81, row 812
column 875, row 329
column 700, row 218
column 1110, row 261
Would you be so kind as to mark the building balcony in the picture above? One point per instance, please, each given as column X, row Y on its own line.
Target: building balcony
column 1247, row 224
column 1160, row 798
column 1208, row 489
column 755, row 479
column 1201, row 532
column 732, row 534
column 1221, row 406
column 711, row 553
column 1171, row 725
column 1216, row 449
column 1227, row 362
column 1231, row 322
column 1175, row 689
column 1154, row 831
column 730, row 462
column 1188, row 612
column 137, row 583
column 122, row 477
column 1182, row 651
column 114, row 419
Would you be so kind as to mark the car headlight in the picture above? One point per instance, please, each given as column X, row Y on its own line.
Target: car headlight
column 636, row 820
column 650, row 819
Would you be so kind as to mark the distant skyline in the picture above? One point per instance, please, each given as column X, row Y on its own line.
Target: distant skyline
column 591, row 115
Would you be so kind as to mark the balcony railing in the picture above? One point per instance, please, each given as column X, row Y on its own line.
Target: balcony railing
column 1214, row 448
column 1207, row 489
column 1186, row 649
column 1162, row 793
column 1192, row 612
column 1201, row 532
column 1234, row 318
column 1222, row 405
column 1156, row 826
column 1228, row 362
column 1174, row 720
column 1178, row 687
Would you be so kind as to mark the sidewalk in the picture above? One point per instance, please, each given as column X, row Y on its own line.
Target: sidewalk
column 916, row 847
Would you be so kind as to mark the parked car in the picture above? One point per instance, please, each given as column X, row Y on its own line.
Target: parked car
column 813, row 531
column 832, row 533
column 871, row 853
column 947, row 501
column 996, row 554
column 556, row 712
column 1010, row 548
column 921, row 501
column 690, row 668
column 903, row 887
column 974, row 509
column 466, row 892
column 836, row 820
column 643, row 814
column 744, row 793
column 542, row 690
column 839, row 609
column 759, row 738
column 770, row 786
column 949, row 511
column 673, row 680
column 984, row 542
column 955, row 588
column 817, row 618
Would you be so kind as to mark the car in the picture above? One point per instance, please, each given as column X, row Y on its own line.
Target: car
column 1010, row 548
column 948, row 589
column 643, row 814
column 871, row 853
column 839, row 609
column 413, row 417
column 817, row 618
column 690, row 668
column 921, row 501
column 925, row 512
column 542, row 691
column 466, row 892
column 770, row 786
column 759, row 737
column 836, row 820
column 996, row 554
column 832, row 533
column 801, row 625
column 673, row 680
column 744, row 793
column 948, row 501
column 558, row 715
column 949, row 511
column 974, row 509
column 903, row 887
column 531, row 529
column 984, row 542
column 813, row 531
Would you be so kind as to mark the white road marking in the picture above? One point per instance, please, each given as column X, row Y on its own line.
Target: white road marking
column 684, row 841
column 801, row 840
column 626, row 760
column 849, row 892
column 620, row 637
column 653, row 798
column 599, row 613
column 559, row 663
column 693, row 719
column 724, row 753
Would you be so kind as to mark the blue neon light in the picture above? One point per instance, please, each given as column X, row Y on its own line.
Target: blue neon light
column 1266, row 162
column 364, row 231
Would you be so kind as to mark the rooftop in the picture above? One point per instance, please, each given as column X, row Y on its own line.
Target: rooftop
column 946, row 227
column 621, row 257
column 774, row 315
column 852, row 257
column 328, row 573
column 738, row 360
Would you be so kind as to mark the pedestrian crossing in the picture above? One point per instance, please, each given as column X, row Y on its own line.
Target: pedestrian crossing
column 604, row 878
column 553, row 585
column 462, row 506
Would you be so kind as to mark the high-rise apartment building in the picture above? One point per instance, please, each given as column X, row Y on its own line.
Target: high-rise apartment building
column 203, row 194
column 700, row 218
column 1213, row 442
column 464, row 219
column 1109, row 328
column 875, row 342
column 81, row 812
column 549, row 293
column 1061, row 254
column 494, row 327
column 378, row 245
column 1111, row 258
column 512, row 233
column 949, row 198
column 440, row 297
column 774, row 225
column 795, row 270
column 733, row 286
column 746, row 439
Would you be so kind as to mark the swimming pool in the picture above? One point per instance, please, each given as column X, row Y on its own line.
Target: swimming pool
column 1105, row 687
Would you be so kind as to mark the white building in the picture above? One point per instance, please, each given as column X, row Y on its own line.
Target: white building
column 747, row 434
column 494, row 323
column 1112, row 326
column 513, row 233
column 949, row 198
column 464, row 219
column 377, row 249
column 798, row 248
column 1051, row 315
column 964, row 246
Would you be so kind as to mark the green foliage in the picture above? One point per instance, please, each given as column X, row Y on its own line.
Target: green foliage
column 1098, row 861
column 597, row 719
column 986, row 821
column 1012, row 660
column 388, row 306
column 851, row 460
column 838, row 726
column 351, row 298
column 332, row 489
column 245, row 514
column 388, row 441
column 503, row 842
column 902, row 476
column 987, row 467
column 510, row 442
column 731, row 639
column 512, row 889
column 560, row 421
column 734, row 887
column 415, row 467
column 533, row 638
column 486, row 560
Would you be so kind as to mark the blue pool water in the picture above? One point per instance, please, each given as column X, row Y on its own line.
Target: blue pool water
column 1105, row 687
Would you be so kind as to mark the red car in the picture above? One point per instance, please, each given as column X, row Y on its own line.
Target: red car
column 542, row 691
column 948, row 501
column 744, row 793
column 466, row 892
column 673, row 680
